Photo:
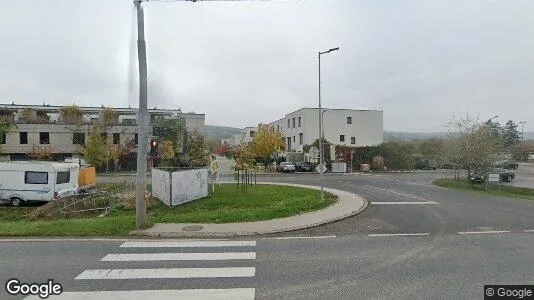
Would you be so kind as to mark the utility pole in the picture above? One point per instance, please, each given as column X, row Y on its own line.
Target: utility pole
column 142, row 117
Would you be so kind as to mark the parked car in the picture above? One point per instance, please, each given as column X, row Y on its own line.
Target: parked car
column 285, row 167
column 506, row 164
column 303, row 167
column 504, row 175
column 424, row 164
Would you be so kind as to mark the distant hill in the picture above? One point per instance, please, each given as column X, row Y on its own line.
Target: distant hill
column 220, row 132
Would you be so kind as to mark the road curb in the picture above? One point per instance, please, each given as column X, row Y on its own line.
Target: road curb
column 365, row 204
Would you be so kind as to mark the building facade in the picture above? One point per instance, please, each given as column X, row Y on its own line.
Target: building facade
column 43, row 127
column 245, row 137
column 348, row 127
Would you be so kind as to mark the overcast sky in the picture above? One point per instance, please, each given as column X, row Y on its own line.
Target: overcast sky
column 242, row 63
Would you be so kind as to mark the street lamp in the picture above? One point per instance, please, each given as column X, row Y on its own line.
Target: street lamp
column 321, row 156
column 522, row 139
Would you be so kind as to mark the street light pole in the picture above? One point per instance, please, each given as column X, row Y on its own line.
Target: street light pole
column 321, row 151
column 522, row 139
column 140, row 180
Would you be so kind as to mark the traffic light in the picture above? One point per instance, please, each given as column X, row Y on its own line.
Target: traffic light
column 154, row 147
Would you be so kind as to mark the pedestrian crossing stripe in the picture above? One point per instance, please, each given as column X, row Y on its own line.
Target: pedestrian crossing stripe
column 173, row 273
column 179, row 256
column 187, row 244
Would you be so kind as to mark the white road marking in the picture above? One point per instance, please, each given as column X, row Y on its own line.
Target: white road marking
column 401, row 202
column 300, row 237
column 167, row 273
column 484, row 232
column 528, row 230
column 397, row 234
column 188, row 244
column 179, row 256
column 196, row 294
column 405, row 195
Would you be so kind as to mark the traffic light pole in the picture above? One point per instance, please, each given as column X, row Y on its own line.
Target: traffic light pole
column 142, row 143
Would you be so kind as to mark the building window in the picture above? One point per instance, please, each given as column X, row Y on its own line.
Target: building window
column 293, row 122
column 342, row 138
column 252, row 133
column 78, row 138
column 116, row 138
column 36, row 177
column 3, row 138
column 301, row 138
column 23, row 138
column 44, row 138
column 349, row 120
column 288, row 143
column 63, row 177
column 288, row 123
column 353, row 140
column 300, row 121
column 136, row 138
column 277, row 128
column 293, row 139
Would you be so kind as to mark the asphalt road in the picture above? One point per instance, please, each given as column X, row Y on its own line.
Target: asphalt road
column 407, row 203
column 415, row 241
column 347, row 267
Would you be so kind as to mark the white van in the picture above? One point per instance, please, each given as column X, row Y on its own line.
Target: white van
column 37, row 180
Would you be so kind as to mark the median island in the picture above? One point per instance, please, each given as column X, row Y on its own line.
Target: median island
column 227, row 204
column 487, row 189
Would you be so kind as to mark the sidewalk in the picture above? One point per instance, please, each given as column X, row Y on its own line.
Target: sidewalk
column 348, row 204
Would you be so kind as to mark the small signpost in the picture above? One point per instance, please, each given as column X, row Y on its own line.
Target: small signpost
column 321, row 168
column 493, row 178
column 214, row 173
column 314, row 152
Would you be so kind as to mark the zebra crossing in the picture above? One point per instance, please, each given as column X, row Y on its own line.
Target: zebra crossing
column 177, row 258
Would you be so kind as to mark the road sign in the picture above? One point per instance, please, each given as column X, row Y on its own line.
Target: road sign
column 314, row 152
column 493, row 178
column 321, row 168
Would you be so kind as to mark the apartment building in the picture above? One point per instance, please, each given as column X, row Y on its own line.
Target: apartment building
column 246, row 136
column 349, row 127
column 42, row 126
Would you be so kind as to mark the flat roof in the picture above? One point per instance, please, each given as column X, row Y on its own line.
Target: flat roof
column 128, row 110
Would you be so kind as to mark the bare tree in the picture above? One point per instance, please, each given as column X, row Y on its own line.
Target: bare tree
column 471, row 145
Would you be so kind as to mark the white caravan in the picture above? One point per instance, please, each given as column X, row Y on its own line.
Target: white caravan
column 37, row 180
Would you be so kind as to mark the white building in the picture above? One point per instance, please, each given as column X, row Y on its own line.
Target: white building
column 246, row 136
column 349, row 127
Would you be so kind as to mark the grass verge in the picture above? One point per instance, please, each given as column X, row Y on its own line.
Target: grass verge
column 226, row 205
column 490, row 189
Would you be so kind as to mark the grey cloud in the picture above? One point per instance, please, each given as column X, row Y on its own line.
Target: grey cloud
column 242, row 63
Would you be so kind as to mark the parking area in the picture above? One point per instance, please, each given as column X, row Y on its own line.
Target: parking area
column 524, row 176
